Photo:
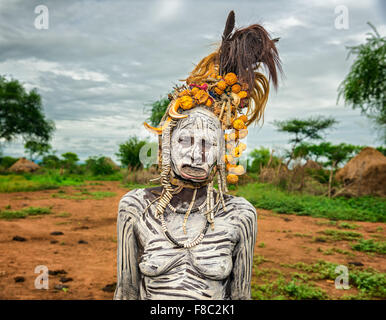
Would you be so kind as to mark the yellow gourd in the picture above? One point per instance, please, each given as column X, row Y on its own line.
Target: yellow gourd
column 243, row 94
column 236, row 152
column 186, row 102
column 244, row 118
column 242, row 133
column 232, row 178
column 201, row 96
column 222, row 85
column 218, row 91
column 236, row 88
column 230, row 78
column 209, row 102
column 194, row 91
column 239, row 124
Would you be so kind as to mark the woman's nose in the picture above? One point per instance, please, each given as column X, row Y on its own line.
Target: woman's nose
column 196, row 154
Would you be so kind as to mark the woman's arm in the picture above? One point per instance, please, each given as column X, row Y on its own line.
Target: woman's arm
column 240, row 285
column 128, row 275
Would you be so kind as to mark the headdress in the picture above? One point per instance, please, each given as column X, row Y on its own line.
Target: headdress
column 229, row 83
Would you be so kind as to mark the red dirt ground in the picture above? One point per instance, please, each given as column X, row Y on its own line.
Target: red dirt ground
column 92, row 266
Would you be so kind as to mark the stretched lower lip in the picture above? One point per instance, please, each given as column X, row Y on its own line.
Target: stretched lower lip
column 192, row 177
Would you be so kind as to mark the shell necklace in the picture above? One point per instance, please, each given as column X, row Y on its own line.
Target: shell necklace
column 200, row 236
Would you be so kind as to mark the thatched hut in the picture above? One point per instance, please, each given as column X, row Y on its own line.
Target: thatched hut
column 365, row 174
column 24, row 165
column 311, row 164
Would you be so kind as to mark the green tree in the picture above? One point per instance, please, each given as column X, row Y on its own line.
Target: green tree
column 51, row 161
column 36, row 148
column 21, row 114
column 382, row 150
column 99, row 166
column 337, row 154
column 304, row 130
column 6, row 162
column 69, row 161
column 364, row 88
column 158, row 109
column 260, row 158
column 128, row 153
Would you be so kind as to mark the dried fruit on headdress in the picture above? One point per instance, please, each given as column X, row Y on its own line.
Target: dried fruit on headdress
column 221, row 85
column 218, row 91
column 232, row 178
column 236, row 88
column 186, row 102
column 242, row 146
column 230, row 78
column 201, row 96
column 243, row 94
column 209, row 102
column 236, row 169
column 239, row 124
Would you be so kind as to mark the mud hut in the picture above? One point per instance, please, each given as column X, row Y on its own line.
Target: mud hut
column 311, row 164
column 24, row 165
column 365, row 174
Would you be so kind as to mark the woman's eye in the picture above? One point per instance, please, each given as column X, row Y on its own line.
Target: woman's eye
column 185, row 141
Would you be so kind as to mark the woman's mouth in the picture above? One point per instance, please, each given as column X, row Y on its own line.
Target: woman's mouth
column 189, row 172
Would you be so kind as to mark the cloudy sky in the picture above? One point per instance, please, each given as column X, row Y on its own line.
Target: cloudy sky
column 100, row 63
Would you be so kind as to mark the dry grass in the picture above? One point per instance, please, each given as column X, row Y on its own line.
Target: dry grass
column 141, row 177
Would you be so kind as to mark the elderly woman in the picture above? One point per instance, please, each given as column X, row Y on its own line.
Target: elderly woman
column 185, row 239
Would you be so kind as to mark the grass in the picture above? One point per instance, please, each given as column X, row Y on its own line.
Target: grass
column 280, row 289
column 337, row 235
column 48, row 179
column 85, row 195
column 23, row 213
column 331, row 251
column 328, row 222
column 132, row 186
column 346, row 225
column 370, row 246
column 370, row 283
column 63, row 215
column 269, row 197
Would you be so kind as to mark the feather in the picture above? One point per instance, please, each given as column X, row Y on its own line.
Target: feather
column 229, row 25
column 244, row 51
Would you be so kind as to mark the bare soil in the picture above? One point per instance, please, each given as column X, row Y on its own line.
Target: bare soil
column 92, row 265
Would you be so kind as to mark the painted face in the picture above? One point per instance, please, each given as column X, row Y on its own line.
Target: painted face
column 195, row 145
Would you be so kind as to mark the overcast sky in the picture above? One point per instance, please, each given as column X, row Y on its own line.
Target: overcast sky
column 100, row 63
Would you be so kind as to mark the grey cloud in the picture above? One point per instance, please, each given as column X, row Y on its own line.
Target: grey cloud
column 139, row 52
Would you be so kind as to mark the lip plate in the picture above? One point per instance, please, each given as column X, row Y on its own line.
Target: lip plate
column 189, row 176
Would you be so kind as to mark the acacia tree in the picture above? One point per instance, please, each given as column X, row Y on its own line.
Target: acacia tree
column 304, row 130
column 336, row 154
column 21, row 115
column 364, row 88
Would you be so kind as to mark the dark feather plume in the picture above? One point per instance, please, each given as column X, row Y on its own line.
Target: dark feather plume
column 229, row 26
column 243, row 51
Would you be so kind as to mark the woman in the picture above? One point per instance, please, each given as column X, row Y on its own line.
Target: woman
column 185, row 239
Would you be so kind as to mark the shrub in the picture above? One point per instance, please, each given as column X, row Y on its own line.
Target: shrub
column 99, row 166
